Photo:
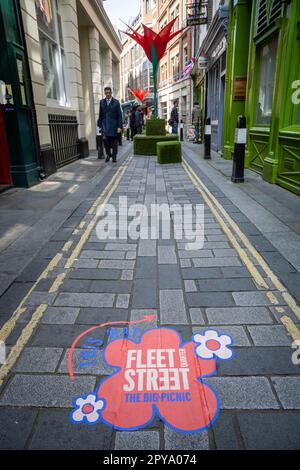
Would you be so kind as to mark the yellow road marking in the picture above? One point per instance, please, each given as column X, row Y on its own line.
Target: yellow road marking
column 279, row 309
column 82, row 224
column 242, row 253
column 22, row 341
column 57, row 283
column 93, row 222
column 272, row 298
column 274, row 279
column 9, row 326
column 291, row 327
column 11, row 323
column 67, row 246
column 38, row 314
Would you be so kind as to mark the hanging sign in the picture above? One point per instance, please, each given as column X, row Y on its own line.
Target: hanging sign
column 239, row 88
column 158, row 375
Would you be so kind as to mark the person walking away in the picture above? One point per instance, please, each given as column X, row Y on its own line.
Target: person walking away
column 133, row 124
column 139, row 121
column 174, row 120
column 196, row 120
column 110, row 123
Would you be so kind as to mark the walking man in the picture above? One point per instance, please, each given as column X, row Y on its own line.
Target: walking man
column 111, row 123
column 196, row 120
column 174, row 118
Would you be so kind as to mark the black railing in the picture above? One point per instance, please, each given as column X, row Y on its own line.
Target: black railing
column 64, row 138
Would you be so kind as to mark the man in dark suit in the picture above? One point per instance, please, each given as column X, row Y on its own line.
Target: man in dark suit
column 110, row 123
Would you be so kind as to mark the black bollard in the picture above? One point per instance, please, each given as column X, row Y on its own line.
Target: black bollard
column 207, row 139
column 239, row 151
column 181, row 130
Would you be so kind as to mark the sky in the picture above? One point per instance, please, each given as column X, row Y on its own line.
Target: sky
column 121, row 9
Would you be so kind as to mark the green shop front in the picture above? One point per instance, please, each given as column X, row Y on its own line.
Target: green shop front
column 264, row 84
column 18, row 133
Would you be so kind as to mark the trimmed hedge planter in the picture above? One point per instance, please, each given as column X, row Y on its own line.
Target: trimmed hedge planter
column 169, row 152
column 155, row 127
column 146, row 145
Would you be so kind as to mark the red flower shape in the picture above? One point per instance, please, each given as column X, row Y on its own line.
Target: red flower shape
column 139, row 94
column 159, row 376
column 160, row 40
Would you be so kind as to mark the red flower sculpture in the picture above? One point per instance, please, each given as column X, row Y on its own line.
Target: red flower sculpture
column 139, row 94
column 158, row 376
column 154, row 45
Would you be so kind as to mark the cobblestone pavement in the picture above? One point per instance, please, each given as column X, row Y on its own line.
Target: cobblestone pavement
column 225, row 285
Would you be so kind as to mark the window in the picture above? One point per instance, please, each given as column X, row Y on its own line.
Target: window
column 52, row 50
column 185, row 57
column 164, row 110
column 267, row 60
column 175, row 67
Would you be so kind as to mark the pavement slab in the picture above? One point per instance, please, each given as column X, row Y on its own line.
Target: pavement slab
column 133, row 286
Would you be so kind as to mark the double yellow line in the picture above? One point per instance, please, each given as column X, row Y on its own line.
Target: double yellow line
column 233, row 232
column 28, row 330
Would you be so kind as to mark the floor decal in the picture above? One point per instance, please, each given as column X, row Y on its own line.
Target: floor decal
column 156, row 375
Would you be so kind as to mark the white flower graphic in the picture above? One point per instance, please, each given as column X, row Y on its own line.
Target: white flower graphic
column 88, row 409
column 211, row 344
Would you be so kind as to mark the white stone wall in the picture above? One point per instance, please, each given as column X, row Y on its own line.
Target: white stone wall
column 92, row 62
column 36, row 71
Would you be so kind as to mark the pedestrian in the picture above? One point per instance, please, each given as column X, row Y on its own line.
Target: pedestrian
column 139, row 118
column 174, row 119
column 133, row 123
column 110, row 123
column 196, row 115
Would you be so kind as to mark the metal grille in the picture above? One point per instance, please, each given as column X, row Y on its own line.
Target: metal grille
column 268, row 11
column 64, row 138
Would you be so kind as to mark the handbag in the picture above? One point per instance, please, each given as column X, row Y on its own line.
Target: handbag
column 171, row 122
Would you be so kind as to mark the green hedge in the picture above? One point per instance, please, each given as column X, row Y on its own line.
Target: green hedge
column 169, row 152
column 146, row 145
column 155, row 127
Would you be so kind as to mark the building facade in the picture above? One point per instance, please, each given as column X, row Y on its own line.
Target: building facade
column 209, row 74
column 137, row 70
column 73, row 52
column 19, row 143
column 172, row 84
column 264, row 84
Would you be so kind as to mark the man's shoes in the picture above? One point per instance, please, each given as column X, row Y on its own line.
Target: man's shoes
column 107, row 159
column 114, row 160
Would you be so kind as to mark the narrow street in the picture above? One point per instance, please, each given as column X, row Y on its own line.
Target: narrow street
column 244, row 283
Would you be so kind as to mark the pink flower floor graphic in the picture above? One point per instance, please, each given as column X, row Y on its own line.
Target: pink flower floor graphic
column 161, row 376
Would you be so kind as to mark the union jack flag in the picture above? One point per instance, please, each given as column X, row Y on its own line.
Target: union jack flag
column 188, row 67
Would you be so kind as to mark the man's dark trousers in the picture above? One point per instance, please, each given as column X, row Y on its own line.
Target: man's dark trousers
column 111, row 146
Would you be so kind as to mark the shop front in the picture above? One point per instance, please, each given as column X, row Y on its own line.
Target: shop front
column 19, row 148
column 272, row 106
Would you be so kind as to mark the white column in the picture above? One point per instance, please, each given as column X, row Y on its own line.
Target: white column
column 72, row 50
column 36, row 70
column 107, row 67
column 94, row 50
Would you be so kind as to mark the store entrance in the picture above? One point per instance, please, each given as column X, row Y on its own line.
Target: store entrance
column 5, row 166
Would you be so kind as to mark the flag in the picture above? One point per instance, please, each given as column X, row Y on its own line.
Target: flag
column 188, row 67
column 46, row 10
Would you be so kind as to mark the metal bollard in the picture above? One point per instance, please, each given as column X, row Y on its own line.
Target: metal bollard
column 181, row 130
column 239, row 151
column 207, row 139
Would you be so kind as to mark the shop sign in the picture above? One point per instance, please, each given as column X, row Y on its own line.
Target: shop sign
column 239, row 88
column 157, row 375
